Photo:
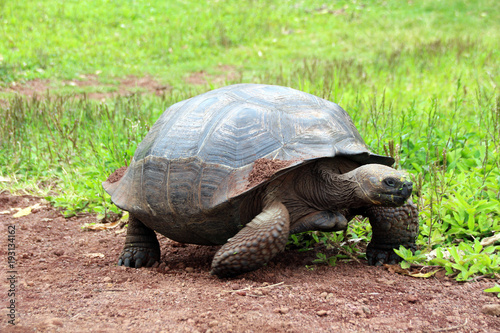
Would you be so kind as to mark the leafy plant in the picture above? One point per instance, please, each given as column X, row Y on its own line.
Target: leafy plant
column 332, row 246
column 495, row 289
column 409, row 257
column 464, row 261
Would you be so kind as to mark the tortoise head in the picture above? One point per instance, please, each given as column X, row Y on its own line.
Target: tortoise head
column 382, row 185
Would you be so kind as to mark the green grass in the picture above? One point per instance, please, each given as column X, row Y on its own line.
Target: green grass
column 420, row 79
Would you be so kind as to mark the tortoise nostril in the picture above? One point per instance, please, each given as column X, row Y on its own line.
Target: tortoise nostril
column 407, row 188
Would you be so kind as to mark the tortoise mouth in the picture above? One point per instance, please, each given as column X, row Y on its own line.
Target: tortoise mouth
column 393, row 199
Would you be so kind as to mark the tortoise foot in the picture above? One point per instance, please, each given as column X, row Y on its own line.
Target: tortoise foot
column 377, row 256
column 141, row 246
column 139, row 257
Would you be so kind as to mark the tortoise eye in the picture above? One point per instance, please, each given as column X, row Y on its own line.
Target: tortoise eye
column 390, row 182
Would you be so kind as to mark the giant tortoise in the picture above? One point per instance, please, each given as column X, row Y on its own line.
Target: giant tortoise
column 247, row 165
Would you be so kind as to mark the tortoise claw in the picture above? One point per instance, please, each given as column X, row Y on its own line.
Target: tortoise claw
column 392, row 227
column 138, row 257
column 379, row 256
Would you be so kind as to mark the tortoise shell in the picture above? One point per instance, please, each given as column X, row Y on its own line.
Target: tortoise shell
column 194, row 168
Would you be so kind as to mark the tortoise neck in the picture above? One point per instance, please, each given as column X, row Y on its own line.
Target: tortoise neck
column 328, row 190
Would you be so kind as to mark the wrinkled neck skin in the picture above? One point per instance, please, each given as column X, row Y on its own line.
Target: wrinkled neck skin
column 317, row 188
column 327, row 190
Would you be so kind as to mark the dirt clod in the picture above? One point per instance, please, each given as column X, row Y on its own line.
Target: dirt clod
column 213, row 323
column 283, row 310
column 241, row 292
column 412, row 299
column 264, row 169
column 53, row 322
column 321, row 313
column 491, row 309
column 117, row 175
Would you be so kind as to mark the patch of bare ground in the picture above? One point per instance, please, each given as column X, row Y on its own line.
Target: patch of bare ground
column 68, row 281
column 227, row 73
column 128, row 85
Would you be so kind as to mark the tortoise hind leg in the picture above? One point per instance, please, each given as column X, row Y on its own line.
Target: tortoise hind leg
column 141, row 246
column 254, row 245
column 391, row 227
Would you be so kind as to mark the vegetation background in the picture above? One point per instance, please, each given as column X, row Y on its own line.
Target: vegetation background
column 419, row 78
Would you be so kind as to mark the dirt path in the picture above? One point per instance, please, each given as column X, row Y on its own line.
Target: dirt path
column 95, row 89
column 67, row 281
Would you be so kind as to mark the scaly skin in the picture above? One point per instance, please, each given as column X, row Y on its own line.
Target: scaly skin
column 391, row 227
column 254, row 245
column 325, row 221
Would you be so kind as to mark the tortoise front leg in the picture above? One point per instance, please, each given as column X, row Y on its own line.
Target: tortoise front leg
column 141, row 246
column 320, row 221
column 254, row 245
column 392, row 227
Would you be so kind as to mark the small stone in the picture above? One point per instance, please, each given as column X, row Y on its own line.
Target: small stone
column 241, row 293
column 321, row 313
column 59, row 252
column 412, row 299
column 235, row 286
column 323, row 294
column 213, row 323
column 284, row 310
column 491, row 309
column 57, row 322
column 189, row 269
column 53, row 322
column 106, row 279
column 366, row 310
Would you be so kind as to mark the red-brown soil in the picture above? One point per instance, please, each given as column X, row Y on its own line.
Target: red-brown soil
column 68, row 281
column 125, row 86
column 263, row 169
column 117, row 175
column 227, row 74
